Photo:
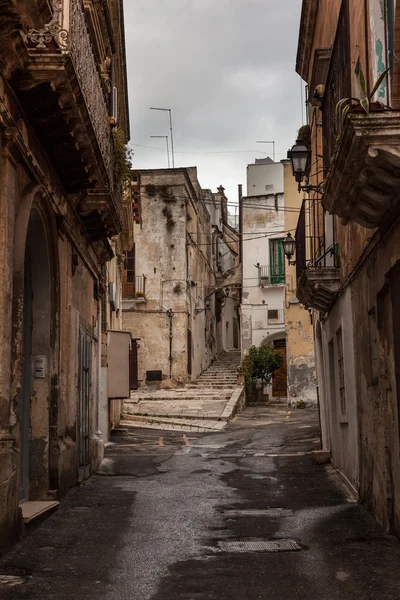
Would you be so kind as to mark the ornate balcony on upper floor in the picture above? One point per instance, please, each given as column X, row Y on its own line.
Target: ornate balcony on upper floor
column 65, row 94
column 362, row 184
column 317, row 272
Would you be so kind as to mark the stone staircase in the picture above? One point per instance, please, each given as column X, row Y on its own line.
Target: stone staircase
column 203, row 405
column 222, row 374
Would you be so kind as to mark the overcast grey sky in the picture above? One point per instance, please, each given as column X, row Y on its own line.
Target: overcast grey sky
column 226, row 69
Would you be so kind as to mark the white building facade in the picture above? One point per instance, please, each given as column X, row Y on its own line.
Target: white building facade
column 264, row 279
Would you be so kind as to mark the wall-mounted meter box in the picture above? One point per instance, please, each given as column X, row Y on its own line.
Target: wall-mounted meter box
column 40, row 367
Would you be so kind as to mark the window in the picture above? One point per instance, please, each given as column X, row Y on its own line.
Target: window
column 277, row 261
column 340, row 366
column 269, row 187
column 273, row 314
column 130, row 267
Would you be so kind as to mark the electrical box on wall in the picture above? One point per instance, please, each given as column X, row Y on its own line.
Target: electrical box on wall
column 40, row 367
column 118, row 356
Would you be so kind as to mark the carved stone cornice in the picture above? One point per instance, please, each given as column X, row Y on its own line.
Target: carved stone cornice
column 363, row 182
column 317, row 287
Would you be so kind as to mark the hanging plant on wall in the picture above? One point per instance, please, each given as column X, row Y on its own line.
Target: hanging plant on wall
column 122, row 156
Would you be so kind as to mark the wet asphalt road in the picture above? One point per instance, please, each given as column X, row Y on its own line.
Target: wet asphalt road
column 151, row 526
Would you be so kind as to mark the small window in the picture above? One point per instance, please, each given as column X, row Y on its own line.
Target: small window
column 273, row 314
column 269, row 187
column 340, row 364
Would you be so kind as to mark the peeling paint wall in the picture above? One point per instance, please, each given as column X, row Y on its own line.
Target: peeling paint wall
column 299, row 329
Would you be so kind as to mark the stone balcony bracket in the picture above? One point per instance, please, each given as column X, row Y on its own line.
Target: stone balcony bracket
column 99, row 221
column 363, row 183
column 317, row 287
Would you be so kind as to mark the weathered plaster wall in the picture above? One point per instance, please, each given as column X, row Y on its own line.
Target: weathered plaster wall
column 299, row 329
column 376, row 345
column 343, row 425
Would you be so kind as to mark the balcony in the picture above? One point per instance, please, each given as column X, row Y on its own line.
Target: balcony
column 317, row 272
column 65, row 96
column 363, row 181
column 134, row 287
column 268, row 276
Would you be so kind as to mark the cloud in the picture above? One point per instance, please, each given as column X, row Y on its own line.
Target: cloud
column 226, row 69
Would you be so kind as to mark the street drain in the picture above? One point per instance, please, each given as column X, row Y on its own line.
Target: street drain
column 258, row 545
column 254, row 512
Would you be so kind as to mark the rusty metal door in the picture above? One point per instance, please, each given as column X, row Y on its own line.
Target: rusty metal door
column 84, row 385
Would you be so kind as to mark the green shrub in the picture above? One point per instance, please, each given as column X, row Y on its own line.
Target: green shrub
column 260, row 363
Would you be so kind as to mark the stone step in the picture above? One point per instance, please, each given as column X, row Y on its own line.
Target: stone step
column 217, row 386
column 208, row 395
column 214, row 377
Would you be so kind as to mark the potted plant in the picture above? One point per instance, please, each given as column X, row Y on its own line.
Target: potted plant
column 258, row 367
column 364, row 103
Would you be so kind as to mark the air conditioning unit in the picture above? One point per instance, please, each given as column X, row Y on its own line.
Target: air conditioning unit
column 112, row 296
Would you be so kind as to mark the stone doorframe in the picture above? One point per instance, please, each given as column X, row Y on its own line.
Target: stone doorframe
column 35, row 216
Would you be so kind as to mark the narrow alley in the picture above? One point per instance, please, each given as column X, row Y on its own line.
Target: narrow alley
column 244, row 513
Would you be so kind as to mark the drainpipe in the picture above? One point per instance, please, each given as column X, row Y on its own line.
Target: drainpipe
column 170, row 314
column 240, row 194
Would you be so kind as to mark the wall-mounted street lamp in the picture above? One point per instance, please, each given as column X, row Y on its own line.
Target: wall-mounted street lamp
column 207, row 306
column 300, row 158
column 289, row 247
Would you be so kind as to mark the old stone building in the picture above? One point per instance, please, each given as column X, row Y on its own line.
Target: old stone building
column 62, row 91
column 347, row 240
column 174, row 298
column 270, row 312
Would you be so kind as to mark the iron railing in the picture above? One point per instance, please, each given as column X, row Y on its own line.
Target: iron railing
column 276, row 315
column 269, row 276
column 312, row 250
column 338, row 85
column 134, row 286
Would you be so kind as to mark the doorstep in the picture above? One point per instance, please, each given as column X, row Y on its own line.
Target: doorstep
column 33, row 510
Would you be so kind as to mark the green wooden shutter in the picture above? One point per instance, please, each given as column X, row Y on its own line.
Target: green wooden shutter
column 277, row 262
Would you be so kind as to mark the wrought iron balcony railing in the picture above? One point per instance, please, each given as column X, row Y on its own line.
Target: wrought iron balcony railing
column 317, row 268
column 268, row 275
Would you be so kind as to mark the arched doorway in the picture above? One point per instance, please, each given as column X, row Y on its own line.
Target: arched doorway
column 279, row 380
column 35, row 285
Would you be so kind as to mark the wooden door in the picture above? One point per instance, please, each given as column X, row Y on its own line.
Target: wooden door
column 279, row 380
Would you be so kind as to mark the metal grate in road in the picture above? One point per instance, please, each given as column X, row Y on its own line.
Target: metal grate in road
column 259, row 545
